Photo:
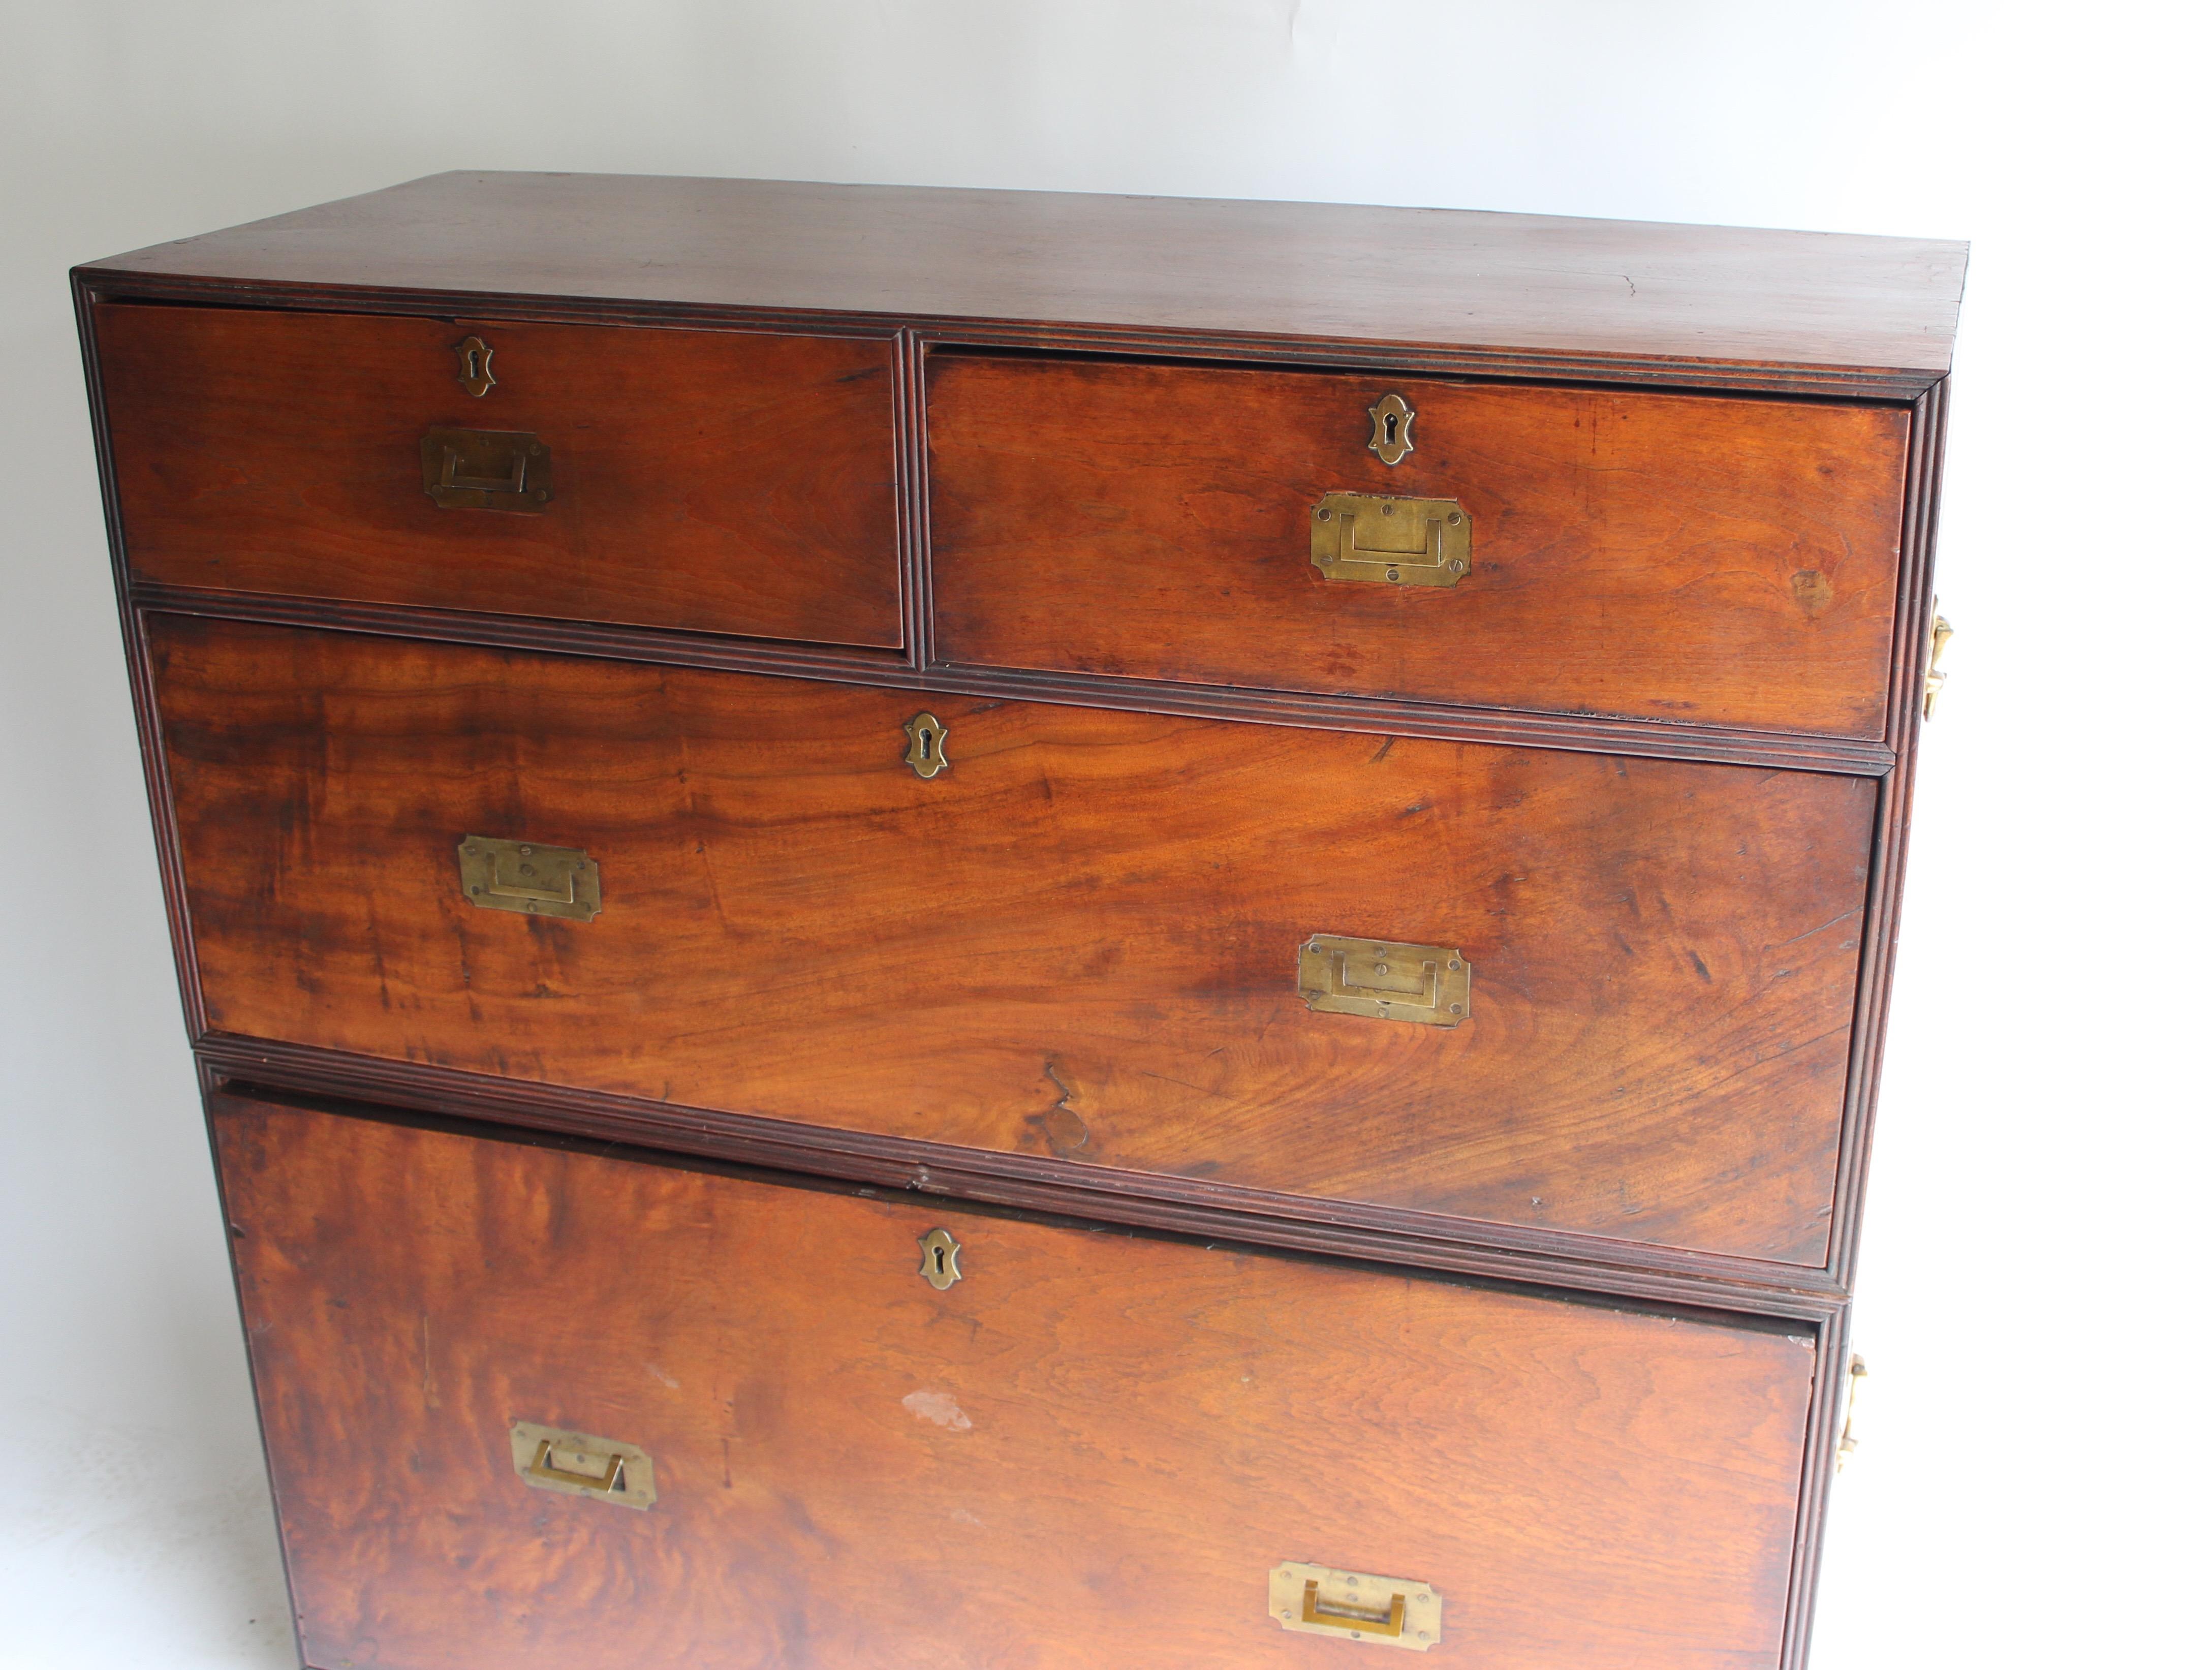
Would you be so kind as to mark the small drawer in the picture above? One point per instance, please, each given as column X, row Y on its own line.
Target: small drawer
column 1563, row 991
column 1685, row 557
column 532, row 1409
column 719, row 481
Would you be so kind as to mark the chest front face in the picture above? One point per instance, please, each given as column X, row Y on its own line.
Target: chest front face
column 1355, row 865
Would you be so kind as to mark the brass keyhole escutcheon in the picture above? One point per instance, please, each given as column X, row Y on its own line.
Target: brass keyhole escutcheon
column 925, row 745
column 1393, row 429
column 475, row 354
column 940, row 1258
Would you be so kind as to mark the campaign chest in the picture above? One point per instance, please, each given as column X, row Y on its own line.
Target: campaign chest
column 937, row 928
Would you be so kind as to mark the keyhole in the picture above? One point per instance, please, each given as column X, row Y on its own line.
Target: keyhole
column 937, row 1252
column 475, row 366
column 1390, row 428
column 925, row 755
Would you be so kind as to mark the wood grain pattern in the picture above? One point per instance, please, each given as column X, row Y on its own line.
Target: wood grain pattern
column 1090, row 1452
column 1079, row 941
column 1678, row 558
column 1311, row 272
column 1050, row 981
column 717, row 482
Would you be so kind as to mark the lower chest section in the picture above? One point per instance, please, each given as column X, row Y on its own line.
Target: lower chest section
column 533, row 1407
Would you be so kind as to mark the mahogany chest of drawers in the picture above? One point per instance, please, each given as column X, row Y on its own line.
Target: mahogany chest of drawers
column 964, row 929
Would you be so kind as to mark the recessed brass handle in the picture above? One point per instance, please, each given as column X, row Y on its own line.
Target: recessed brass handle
column 486, row 470
column 1391, row 541
column 549, row 1459
column 1385, row 980
column 529, row 877
column 1356, row 1606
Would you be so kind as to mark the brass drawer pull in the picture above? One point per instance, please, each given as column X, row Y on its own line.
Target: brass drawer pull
column 528, row 877
column 486, row 470
column 1391, row 541
column 549, row 1459
column 1385, row 980
column 1391, row 1611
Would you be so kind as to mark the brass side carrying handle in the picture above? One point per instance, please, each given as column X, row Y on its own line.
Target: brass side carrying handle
column 1847, row 1442
column 575, row 1464
column 486, row 470
column 1939, row 637
column 1356, row 1606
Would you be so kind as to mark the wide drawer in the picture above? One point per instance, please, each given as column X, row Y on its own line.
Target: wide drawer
column 716, row 481
column 544, row 1410
column 1722, row 561
column 1092, row 936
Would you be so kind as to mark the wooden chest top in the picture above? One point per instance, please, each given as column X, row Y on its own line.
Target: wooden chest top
column 1871, row 315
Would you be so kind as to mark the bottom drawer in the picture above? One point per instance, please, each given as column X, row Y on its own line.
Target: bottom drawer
column 532, row 1407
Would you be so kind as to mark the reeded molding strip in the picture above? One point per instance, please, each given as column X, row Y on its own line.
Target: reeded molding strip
column 888, row 670
column 1186, row 1206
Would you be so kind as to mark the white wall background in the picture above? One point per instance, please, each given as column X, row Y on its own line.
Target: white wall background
column 2032, row 1486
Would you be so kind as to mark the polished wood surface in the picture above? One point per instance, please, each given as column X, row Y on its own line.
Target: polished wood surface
column 1080, row 941
column 1596, row 290
column 1090, row 1452
column 725, row 481
column 1649, row 767
column 1679, row 557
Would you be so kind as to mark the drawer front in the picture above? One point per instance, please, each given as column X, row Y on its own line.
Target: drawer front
column 717, row 482
column 1719, row 560
column 1091, row 936
column 1093, row 1449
